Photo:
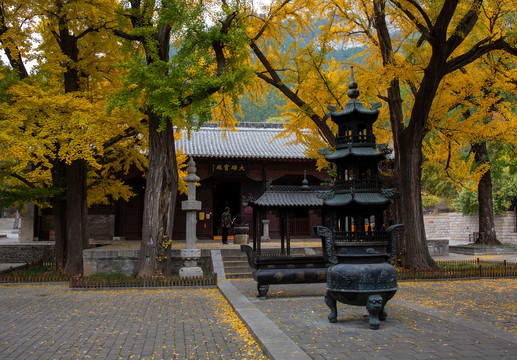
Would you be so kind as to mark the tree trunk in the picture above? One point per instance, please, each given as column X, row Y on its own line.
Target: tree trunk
column 59, row 214
column 487, row 235
column 413, row 250
column 76, row 173
column 407, row 141
column 76, row 217
column 159, row 201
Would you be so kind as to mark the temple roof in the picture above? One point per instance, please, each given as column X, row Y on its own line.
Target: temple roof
column 289, row 196
column 251, row 140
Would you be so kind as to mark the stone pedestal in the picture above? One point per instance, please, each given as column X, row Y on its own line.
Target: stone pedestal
column 241, row 234
column 265, row 237
column 190, row 257
column 240, row 239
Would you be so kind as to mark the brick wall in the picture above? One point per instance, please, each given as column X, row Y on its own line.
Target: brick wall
column 457, row 227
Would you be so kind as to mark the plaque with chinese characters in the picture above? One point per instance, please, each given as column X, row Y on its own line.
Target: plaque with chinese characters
column 229, row 167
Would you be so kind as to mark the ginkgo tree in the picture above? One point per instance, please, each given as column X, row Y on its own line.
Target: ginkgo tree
column 55, row 128
column 480, row 112
column 184, row 53
column 411, row 49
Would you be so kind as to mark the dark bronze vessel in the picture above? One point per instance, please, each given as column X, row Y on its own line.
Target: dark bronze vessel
column 359, row 273
column 359, row 241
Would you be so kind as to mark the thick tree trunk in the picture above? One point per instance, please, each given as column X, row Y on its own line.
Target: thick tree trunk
column 487, row 235
column 76, row 173
column 413, row 250
column 160, row 200
column 76, row 217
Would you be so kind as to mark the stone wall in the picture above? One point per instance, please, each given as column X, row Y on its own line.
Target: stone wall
column 100, row 226
column 7, row 223
column 21, row 253
column 457, row 227
column 438, row 247
column 119, row 260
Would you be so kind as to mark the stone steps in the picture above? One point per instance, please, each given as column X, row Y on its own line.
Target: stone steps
column 236, row 264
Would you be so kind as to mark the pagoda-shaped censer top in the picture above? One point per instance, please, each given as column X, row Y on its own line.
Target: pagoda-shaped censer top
column 357, row 201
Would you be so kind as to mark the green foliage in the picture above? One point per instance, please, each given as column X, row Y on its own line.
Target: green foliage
column 8, row 77
column 37, row 270
column 253, row 111
column 19, row 195
column 466, row 202
column 434, row 183
column 182, row 89
column 504, row 182
column 429, row 200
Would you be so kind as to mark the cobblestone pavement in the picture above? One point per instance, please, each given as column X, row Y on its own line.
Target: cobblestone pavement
column 415, row 328
column 54, row 322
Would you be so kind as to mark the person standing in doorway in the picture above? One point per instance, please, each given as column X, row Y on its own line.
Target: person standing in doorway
column 226, row 224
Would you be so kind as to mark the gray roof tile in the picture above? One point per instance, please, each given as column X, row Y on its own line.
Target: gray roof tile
column 289, row 199
column 252, row 141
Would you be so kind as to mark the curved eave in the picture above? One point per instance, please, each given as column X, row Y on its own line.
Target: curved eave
column 355, row 106
column 357, row 198
column 355, row 151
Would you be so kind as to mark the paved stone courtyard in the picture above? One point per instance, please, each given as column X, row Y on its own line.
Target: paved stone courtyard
column 472, row 319
column 54, row 322
column 470, row 324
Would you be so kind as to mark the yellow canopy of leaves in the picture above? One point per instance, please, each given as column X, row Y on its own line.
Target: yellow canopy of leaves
column 40, row 122
column 298, row 39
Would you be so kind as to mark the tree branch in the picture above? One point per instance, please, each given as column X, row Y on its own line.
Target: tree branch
column 277, row 82
column 23, row 180
column 464, row 27
column 481, row 48
column 13, row 54
column 266, row 24
column 128, row 36
column 423, row 30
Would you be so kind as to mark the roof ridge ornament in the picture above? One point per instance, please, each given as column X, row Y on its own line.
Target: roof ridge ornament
column 353, row 92
column 305, row 183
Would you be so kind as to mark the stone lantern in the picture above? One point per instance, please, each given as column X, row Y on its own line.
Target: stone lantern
column 190, row 254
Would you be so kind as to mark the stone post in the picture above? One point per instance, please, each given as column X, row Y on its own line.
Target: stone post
column 190, row 254
column 265, row 237
column 26, row 230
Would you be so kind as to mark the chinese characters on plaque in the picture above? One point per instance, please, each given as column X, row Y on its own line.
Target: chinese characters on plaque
column 229, row 167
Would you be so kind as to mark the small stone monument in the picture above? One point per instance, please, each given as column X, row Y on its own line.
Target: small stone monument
column 265, row 237
column 241, row 234
column 190, row 254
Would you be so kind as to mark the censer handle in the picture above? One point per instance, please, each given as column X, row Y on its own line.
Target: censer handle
column 326, row 243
